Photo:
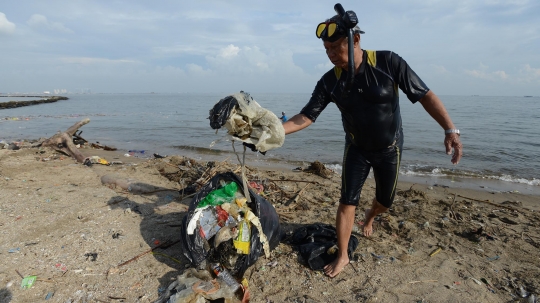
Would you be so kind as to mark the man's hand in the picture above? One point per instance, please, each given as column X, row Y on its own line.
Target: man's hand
column 451, row 141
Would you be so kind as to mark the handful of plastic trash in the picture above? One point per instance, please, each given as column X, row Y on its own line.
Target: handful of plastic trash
column 247, row 121
column 199, row 286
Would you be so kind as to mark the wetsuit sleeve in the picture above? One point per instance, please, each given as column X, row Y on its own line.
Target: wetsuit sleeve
column 407, row 79
column 318, row 102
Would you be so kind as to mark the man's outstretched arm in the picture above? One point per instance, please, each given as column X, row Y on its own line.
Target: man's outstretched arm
column 296, row 123
column 435, row 108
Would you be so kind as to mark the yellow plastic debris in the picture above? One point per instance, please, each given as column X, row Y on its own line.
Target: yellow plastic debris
column 241, row 243
column 240, row 202
column 438, row 250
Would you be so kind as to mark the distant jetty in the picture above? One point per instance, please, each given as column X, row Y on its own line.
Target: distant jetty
column 14, row 104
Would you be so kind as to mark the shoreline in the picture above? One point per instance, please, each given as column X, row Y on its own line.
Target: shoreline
column 484, row 185
column 488, row 185
column 491, row 190
column 494, row 191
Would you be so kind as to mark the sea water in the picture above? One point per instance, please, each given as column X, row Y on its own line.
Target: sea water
column 499, row 134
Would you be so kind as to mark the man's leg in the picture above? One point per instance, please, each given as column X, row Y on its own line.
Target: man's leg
column 375, row 210
column 355, row 171
column 344, row 223
column 385, row 172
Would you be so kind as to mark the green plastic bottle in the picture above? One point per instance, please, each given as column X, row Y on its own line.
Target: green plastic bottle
column 219, row 196
column 230, row 189
column 208, row 200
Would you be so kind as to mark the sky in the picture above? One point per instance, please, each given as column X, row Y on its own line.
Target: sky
column 459, row 47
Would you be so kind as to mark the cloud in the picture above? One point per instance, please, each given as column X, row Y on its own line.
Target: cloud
column 90, row 61
column 249, row 68
column 324, row 67
column 496, row 75
column 40, row 21
column 510, row 6
column 483, row 73
column 529, row 74
column 177, row 49
column 197, row 70
column 439, row 69
column 229, row 51
column 501, row 74
column 266, row 46
column 233, row 58
column 6, row 26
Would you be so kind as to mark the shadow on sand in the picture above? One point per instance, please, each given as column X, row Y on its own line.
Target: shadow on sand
column 161, row 231
column 5, row 295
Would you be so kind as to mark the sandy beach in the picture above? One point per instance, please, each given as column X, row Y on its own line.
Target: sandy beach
column 437, row 243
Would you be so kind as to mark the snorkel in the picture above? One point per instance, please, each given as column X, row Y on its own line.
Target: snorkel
column 349, row 21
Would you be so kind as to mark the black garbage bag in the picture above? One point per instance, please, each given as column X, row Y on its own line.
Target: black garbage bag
column 221, row 112
column 196, row 248
column 313, row 242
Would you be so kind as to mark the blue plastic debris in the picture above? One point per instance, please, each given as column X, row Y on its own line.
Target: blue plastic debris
column 377, row 256
column 494, row 258
column 49, row 295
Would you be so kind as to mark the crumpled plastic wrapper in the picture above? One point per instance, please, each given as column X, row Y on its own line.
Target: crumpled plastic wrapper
column 248, row 122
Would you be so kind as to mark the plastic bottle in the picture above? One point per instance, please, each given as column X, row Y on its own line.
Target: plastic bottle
column 242, row 242
column 208, row 200
column 223, row 274
column 219, row 196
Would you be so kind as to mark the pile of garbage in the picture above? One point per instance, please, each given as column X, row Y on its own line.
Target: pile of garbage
column 225, row 231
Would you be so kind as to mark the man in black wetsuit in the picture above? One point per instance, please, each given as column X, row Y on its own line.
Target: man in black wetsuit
column 372, row 123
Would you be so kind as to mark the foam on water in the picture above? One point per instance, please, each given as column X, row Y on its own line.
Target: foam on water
column 337, row 168
column 508, row 178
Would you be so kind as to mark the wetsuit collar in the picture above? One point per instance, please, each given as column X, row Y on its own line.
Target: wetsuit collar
column 363, row 63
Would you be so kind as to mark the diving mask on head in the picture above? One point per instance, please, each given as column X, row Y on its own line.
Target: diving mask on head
column 333, row 29
column 344, row 24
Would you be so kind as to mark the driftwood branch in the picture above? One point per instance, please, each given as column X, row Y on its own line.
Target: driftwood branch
column 165, row 244
column 63, row 142
column 75, row 127
column 297, row 197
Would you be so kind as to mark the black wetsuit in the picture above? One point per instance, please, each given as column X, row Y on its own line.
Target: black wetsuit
column 371, row 120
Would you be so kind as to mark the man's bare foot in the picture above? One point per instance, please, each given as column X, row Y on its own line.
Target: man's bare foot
column 368, row 223
column 334, row 268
